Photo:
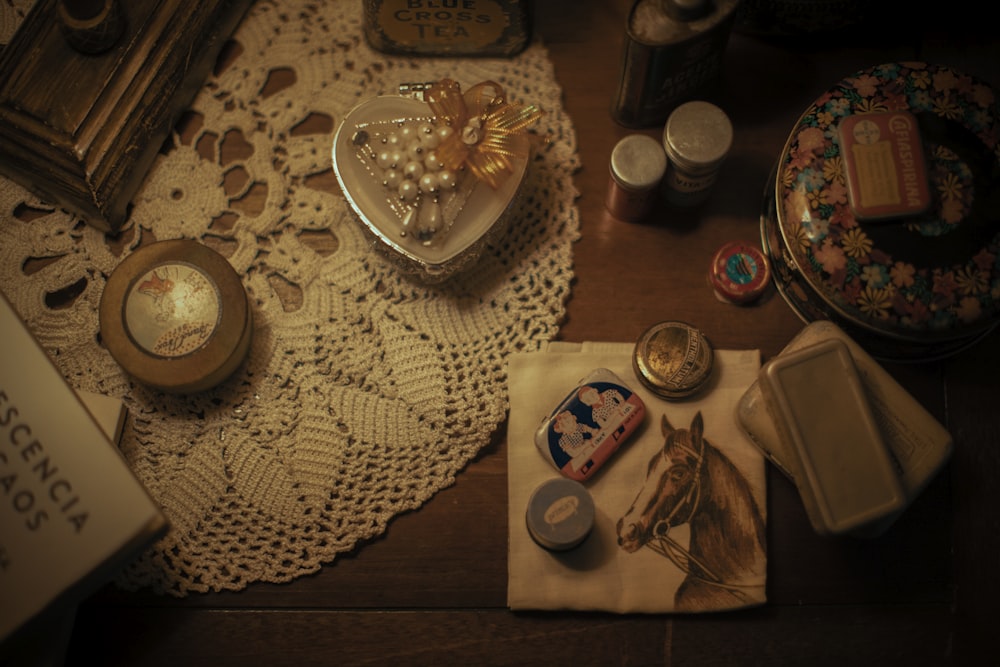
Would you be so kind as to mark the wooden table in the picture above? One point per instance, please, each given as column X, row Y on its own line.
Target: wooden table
column 432, row 589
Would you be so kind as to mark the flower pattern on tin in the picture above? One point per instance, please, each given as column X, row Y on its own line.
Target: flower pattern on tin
column 861, row 268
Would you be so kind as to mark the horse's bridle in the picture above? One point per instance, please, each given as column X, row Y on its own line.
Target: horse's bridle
column 661, row 542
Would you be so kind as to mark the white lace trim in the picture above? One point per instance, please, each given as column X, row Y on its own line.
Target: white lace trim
column 359, row 403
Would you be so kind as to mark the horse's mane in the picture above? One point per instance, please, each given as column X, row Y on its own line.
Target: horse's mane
column 730, row 505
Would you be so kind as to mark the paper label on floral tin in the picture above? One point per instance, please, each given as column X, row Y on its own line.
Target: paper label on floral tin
column 656, row 544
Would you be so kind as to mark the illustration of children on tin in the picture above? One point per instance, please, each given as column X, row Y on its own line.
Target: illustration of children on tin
column 608, row 407
column 573, row 436
column 589, row 425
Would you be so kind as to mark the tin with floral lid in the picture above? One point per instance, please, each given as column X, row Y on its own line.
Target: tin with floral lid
column 909, row 280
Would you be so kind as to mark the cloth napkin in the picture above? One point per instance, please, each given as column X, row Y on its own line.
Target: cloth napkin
column 599, row 574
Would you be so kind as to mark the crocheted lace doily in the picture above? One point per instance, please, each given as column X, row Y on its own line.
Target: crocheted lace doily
column 358, row 401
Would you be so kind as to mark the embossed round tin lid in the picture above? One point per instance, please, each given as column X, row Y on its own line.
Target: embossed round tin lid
column 560, row 514
column 925, row 269
column 175, row 316
column 673, row 359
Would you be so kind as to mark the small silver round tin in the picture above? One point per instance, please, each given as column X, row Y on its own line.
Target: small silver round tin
column 560, row 514
column 176, row 317
column 673, row 359
column 637, row 166
column 696, row 139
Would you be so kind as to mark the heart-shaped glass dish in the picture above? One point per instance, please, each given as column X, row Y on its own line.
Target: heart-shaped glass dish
column 472, row 213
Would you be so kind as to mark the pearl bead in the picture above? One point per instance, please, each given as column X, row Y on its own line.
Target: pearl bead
column 408, row 191
column 447, row 179
column 407, row 133
column 429, row 220
column 444, row 132
column 432, row 162
column 428, row 183
column 392, row 178
column 415, row 151
column 428, row 135
column 392, row 140
column 388, row 159
column 413, row 170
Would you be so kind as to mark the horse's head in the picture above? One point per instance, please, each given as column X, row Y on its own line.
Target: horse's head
column 668, row 496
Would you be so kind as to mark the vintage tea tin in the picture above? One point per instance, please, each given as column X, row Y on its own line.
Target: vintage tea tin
column 673, row 359
column 175, row 316
column 448, row 27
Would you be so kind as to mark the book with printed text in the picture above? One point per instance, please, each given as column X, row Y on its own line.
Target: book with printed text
column 71, row 510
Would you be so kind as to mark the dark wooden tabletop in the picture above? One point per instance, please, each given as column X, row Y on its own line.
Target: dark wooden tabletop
column 432, row 589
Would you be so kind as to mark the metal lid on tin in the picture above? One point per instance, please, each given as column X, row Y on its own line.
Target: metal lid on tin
column 638, row 162
column 560, row 514
column 697, row 136
column 175, row 316
column 673, row 359
column 740, row 273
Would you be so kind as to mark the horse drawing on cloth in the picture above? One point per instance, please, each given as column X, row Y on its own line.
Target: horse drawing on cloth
column 690, row 481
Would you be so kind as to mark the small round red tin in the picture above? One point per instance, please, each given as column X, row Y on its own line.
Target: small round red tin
column 739, row 273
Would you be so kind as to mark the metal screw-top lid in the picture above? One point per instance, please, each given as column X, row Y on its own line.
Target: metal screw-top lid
column 697, row 136
column 673, row 359
column 638, row 162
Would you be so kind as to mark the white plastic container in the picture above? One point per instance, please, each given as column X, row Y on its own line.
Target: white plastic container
column 824, row 420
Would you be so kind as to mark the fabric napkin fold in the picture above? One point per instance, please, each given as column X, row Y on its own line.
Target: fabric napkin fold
column 713, row 559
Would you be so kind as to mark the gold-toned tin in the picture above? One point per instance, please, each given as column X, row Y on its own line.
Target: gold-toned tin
column 448, row 27
column 673, row 359
column 175, row 316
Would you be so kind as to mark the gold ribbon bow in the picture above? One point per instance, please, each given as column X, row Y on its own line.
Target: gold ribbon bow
column 486, row 128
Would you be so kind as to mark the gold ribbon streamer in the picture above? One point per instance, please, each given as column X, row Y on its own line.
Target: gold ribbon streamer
column 486, row 128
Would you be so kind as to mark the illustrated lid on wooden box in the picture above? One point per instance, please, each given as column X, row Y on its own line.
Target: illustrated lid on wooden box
column 433, row 175
column 884, row 214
